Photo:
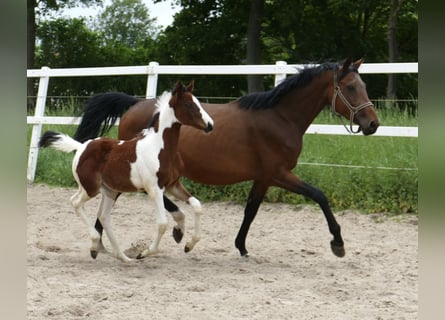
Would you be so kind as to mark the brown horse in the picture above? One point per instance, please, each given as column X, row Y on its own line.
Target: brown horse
column 257, row 137
column 149, row 162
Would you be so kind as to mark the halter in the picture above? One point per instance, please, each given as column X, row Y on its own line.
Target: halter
column 352, row 110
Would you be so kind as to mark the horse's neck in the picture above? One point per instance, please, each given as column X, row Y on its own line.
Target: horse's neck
column 167, row 119
column 302, row 105
column 168, row 130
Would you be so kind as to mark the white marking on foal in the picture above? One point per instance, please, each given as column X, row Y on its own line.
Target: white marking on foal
column 204, row 114
column 147, row 163
column 196, row 205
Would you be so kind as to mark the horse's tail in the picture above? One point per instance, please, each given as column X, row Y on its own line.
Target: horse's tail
column 58, row 141
column 102, row 110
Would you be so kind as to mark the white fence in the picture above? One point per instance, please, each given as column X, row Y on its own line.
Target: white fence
column 280, row 70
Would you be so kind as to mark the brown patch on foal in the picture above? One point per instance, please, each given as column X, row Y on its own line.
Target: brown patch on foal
column 110, row 161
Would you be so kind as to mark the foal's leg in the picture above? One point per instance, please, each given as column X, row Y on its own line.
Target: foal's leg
column 179, row 191
column 161, row 222
column 77, row 201
column 292, row 183
column 108, row 199
column 256, row 196
column 178, row 216
column 98, row 246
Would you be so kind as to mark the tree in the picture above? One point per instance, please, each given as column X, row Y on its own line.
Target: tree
column 311, row 31
column 254, row 82
column 126, row 22
column 400, row 12
column 68, row 43
column 218, row 32
column 207, row 32
column 35, row 10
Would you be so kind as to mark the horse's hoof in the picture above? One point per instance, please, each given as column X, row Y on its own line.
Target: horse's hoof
column 140, row 256
column 93, row 254
column 187, row 249
column 177, row 234
column 338, row 250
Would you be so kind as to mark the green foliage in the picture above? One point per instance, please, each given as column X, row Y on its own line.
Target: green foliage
column 48, row 6
column 214, row 32
column 126, row 22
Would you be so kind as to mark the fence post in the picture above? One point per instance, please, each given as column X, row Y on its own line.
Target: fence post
column 152, row 80
column 280, row 76
column 37, row 128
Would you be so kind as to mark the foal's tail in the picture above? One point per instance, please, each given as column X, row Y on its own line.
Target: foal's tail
column 58, row 141
column 102, row 110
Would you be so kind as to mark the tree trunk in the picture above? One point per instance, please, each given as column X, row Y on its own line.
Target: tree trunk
column 31, row 45
column 254, row 82
column 391, row 89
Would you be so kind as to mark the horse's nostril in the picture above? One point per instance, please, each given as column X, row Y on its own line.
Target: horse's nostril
column 209, row 127
column 373, row 126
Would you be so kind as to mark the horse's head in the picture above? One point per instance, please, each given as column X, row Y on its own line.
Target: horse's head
column 188, row 109
column 350, row 98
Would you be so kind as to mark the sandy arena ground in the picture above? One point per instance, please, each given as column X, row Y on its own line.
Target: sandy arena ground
column 290, row 274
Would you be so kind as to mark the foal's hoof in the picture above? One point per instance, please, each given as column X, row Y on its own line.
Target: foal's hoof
column 140, row 256
column 146, row 253
column 177, row 234
column 93, row 254
column 187, row 249
column 338, row 250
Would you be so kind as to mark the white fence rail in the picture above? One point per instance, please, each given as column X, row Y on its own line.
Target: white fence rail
column 280, row 69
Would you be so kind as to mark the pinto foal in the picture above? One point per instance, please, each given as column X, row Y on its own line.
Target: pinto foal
column 149, row 162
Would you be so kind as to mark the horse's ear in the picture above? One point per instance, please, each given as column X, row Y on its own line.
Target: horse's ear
column 346, row 64
column 191, row 86
column 178, row 89
column 358, row 62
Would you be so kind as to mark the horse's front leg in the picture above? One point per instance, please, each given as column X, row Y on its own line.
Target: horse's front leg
column 161, row 222
column 178, row 216
column 292, row 183
column 256, row 196
column 179, row 191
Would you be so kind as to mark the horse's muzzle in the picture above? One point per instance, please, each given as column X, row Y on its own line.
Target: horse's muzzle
column 209, row 127
column 371, row 128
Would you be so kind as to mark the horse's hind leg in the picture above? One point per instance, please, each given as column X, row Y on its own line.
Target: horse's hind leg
column 99, row 228
column 179, row 191
column 177, row 214
column 97, row 244
column 292, row 183
column 108, row 200
column 78, row 200
column 100, row 246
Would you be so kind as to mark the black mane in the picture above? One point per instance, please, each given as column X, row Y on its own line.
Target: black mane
column 268, row 99
column 153, row 120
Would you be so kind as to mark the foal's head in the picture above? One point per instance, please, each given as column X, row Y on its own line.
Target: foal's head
column 188, row 109
column 350, row 98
